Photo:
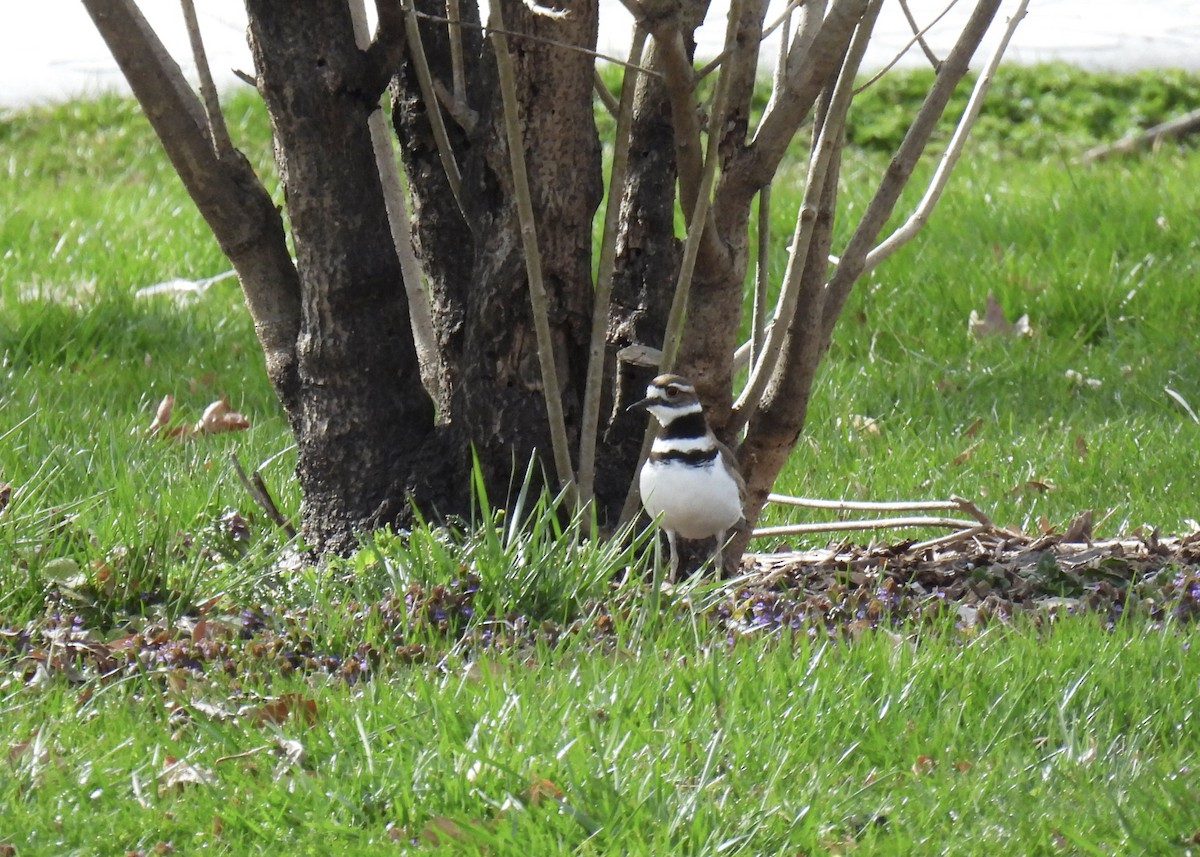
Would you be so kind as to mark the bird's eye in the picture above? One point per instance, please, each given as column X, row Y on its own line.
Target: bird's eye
column 672, row 392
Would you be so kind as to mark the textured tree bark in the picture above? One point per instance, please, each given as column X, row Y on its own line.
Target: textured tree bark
column 442, row 234
column 498, row 405
column 363, row 416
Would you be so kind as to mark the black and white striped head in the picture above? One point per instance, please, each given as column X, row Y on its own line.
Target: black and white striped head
column 669, row 397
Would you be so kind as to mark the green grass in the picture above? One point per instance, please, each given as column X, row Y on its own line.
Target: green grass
column 1030, row 742
column 435, row 680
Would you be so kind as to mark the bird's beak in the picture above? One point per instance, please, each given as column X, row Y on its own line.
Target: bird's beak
column 639, row 406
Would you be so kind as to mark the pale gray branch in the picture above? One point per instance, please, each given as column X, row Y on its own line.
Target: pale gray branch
column 953, row 151
column 432, row 107
column 919, row 34
column 604, row 280
column 222, row 145
column 533, row 259
column 457, row 66
column 420, row 314
column 900, row 168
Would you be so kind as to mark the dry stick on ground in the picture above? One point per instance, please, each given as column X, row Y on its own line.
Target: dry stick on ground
column 533, row 260
column 606, row 269
column 257, row 489
column 980, row 521
column 1178, row 127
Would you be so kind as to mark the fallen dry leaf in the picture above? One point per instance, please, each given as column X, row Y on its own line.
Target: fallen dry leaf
column 163, row 415
column 973, row 428
column 303, row 708
column 218, row 418
column 5, row 495
column 994, row 323
column 965, row 454
column 178, row 774
column 924, row 765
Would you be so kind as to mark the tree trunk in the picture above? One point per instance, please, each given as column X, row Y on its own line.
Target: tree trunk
column 363, row 415
column 498, row 407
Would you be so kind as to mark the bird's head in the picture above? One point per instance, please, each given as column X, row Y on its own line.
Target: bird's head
column 668, row 397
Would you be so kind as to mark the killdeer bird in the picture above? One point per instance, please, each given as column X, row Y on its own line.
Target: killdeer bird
column 690, row 484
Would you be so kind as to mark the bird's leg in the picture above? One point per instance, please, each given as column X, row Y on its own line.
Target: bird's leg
column 674, row 570
column 719, row 555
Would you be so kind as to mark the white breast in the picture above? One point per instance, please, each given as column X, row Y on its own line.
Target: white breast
column 695, row 502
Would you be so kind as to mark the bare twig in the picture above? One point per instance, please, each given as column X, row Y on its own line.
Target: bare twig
column 919, row 34
column 902, row 164
column 954, row 149
column 947, row 540
column 257, row 489
column 432, row 108
column 762, row 275
column 533, row 260
column 488, row 30
column 956, row 503
column 604, row 280
column 218, row 132
column 782, row 20
column 457, row 66
column 606, row 97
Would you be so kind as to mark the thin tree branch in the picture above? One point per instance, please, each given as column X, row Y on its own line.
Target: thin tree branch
column 919, row 34
column 457, row 66
column 533, row 260
column 782, row 20
column 681, row 87
column 828, row 143
column 900, row 168
column 954, row 149
column 762, row 275
column 222, row 145
column 918, row 37
column 606, row 98
column 432, row 107
column 579, row 49
column 604, row 280
column 876, row 524
column 818, row 48
column 420, row 314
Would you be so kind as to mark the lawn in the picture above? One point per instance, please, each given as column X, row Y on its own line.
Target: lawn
column 172, row 677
